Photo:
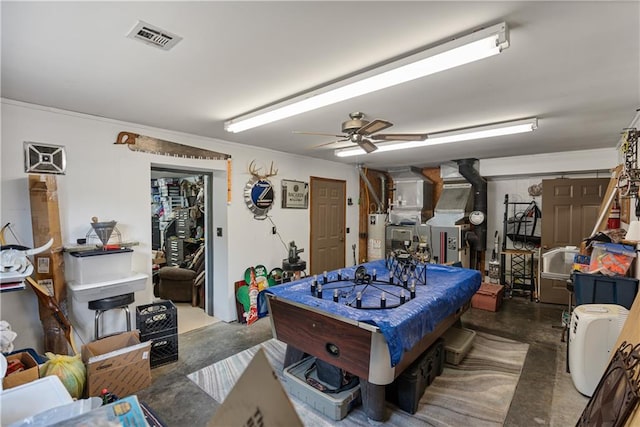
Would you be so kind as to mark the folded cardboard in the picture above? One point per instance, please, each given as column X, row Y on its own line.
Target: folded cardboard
column 30, row 373
column 264, row 405
column 45, row 223
column 119, row 363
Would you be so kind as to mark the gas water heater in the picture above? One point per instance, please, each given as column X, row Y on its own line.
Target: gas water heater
column 376, row 231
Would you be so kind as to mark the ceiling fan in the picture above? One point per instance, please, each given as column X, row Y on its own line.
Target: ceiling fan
column 364, row 133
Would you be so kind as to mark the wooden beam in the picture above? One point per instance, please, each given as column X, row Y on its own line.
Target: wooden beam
column 607, row 201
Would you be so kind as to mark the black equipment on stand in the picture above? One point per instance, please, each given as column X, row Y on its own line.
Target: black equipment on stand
column 293, row 266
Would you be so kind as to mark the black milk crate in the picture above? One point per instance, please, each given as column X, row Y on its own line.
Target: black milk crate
column 164, row 348
column 157, row 317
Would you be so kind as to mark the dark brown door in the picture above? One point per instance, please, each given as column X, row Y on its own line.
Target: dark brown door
column 328, row 210
column 569, row 213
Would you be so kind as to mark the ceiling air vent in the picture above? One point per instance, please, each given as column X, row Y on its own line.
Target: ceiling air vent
column 155, row 36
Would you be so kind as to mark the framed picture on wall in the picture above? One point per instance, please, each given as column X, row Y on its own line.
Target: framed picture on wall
column 295, row 194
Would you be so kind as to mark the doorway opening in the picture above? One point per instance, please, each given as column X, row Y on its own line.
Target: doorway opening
column 180, row 235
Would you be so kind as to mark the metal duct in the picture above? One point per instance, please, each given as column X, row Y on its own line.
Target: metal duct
column 383, row 188
column 412, row 196
column 453, row 205
column 467, row 168
column 372, row 191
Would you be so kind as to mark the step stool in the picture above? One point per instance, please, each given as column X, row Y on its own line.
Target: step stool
column 105, row 304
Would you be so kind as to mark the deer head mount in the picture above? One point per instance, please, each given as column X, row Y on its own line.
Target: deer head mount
column 259, row 193
column 255, row 171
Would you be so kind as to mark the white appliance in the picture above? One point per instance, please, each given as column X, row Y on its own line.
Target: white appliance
column 375, row 230
column 594, row 331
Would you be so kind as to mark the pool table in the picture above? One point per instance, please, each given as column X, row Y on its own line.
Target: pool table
column 374, row 343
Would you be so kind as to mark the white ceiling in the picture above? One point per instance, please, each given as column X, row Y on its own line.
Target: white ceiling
column 574, row 65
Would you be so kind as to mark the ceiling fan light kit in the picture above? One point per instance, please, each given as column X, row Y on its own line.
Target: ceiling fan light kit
column 466, row 134
column 459, row 51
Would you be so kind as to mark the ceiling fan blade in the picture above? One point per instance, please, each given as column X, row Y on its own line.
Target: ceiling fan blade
column 367, row 145
column 317, row 133
column 400, row 136
column 329, row 143
column 373, row 127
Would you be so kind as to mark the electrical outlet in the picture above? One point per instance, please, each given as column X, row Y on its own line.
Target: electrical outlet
column 219, row 231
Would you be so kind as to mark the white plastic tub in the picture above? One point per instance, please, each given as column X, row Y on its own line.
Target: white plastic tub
column 32, row 398
column 98, row 266
column 558, row 263
column 94, row 291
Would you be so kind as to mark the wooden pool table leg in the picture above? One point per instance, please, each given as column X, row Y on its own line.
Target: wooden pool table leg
column 292, row 355
column 373, row 400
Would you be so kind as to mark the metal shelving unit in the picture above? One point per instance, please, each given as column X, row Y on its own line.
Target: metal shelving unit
column 518, row 272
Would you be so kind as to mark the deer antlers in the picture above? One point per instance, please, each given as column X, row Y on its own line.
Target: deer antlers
column 254, row 171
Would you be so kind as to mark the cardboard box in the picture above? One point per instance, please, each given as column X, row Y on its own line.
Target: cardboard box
column 488, row 297
column 119, row 363
column 31, row 372
column 45, row 222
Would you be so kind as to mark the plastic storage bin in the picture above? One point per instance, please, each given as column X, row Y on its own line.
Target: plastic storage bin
column 335, row 406
column 85, row 292
column 457, row 343
column 558, row 263
column 611, row 259
column 98, row 265
column 410, row 385
column 32, row 398
column 599, row 289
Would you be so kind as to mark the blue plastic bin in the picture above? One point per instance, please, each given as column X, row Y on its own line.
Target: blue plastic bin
column 599, row 289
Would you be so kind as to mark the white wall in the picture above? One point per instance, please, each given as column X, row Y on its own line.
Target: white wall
column 111, row 182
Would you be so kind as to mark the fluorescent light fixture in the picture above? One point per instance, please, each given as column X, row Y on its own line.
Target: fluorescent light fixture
column 459, row 51
column 478, row 132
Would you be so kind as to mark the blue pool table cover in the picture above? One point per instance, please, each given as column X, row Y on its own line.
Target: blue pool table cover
column 446, row 290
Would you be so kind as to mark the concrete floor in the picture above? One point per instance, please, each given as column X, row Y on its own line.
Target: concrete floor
column 545, row 395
